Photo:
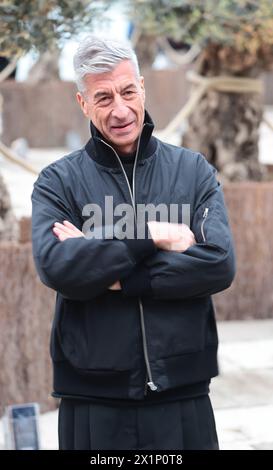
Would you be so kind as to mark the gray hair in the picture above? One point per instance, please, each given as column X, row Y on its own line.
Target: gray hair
column 95, row 55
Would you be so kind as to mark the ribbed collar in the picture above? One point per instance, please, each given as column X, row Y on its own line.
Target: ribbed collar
column 104, row 155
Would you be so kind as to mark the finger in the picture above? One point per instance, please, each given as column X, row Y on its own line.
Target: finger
column 56, row 231
column 62, row 226
column 184, row 229
column 61, row 235
column 72, row 227
column 64, row 229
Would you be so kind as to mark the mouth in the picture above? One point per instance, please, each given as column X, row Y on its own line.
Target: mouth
column 123, row 127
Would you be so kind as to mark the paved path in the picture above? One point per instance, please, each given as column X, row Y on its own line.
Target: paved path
column 242, row 395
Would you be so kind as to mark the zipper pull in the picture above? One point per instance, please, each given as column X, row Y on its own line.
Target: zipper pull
column 152, row 386
column 205, row 214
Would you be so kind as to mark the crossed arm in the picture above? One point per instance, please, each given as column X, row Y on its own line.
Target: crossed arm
column 166, row 236
column 177, row 263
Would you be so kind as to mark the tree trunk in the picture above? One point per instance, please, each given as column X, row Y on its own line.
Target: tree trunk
column 225, row 126
column 146, row 49
column 9, row 229
column 46, row 68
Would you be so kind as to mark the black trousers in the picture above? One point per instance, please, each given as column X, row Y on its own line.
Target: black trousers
column 181, row 425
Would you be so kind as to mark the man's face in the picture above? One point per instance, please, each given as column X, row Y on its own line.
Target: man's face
column 114, row 101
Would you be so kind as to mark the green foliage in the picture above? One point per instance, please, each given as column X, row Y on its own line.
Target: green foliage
column 244, row 25
column 28, row 24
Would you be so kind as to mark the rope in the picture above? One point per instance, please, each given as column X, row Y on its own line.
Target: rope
column 221, row 83
column 227, row 84
column 10, row 155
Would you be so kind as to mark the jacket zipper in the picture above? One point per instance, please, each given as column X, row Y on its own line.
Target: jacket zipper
column 205, row 215
column 149, row 379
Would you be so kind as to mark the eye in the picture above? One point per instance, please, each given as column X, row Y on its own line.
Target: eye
column 104, row 100
column 128, row 93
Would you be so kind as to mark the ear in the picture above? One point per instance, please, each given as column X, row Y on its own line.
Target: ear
column 141, row 80
column 83, row 104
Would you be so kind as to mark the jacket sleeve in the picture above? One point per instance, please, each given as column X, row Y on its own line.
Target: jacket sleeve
column 203, row 269
column 77, row 268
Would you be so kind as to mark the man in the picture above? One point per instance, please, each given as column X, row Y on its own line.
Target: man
column 134, row 341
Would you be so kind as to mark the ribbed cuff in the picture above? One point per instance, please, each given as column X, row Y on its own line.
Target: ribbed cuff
column 138, row 283
column 140, row 249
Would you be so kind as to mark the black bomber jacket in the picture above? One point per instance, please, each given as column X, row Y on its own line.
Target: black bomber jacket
column 159, row 331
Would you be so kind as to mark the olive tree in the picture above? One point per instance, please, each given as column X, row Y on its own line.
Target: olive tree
column 235, row 38
column 38, row 25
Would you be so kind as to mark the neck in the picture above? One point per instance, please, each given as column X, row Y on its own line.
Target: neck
column 125, row 150
column 104, row 154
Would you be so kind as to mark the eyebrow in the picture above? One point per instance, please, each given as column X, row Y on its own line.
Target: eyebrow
column 101, row 94
column 131, row 85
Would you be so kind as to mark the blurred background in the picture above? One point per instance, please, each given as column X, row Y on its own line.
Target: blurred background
column 208, row 69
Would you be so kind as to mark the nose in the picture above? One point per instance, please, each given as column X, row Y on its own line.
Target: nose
column 120, row 109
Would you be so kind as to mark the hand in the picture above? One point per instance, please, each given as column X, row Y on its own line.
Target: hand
column 171, row 237
column 66, row 230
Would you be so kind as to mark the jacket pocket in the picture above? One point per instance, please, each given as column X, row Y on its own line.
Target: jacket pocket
column 210, row 226
column 98, row 335
column 177, row 327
